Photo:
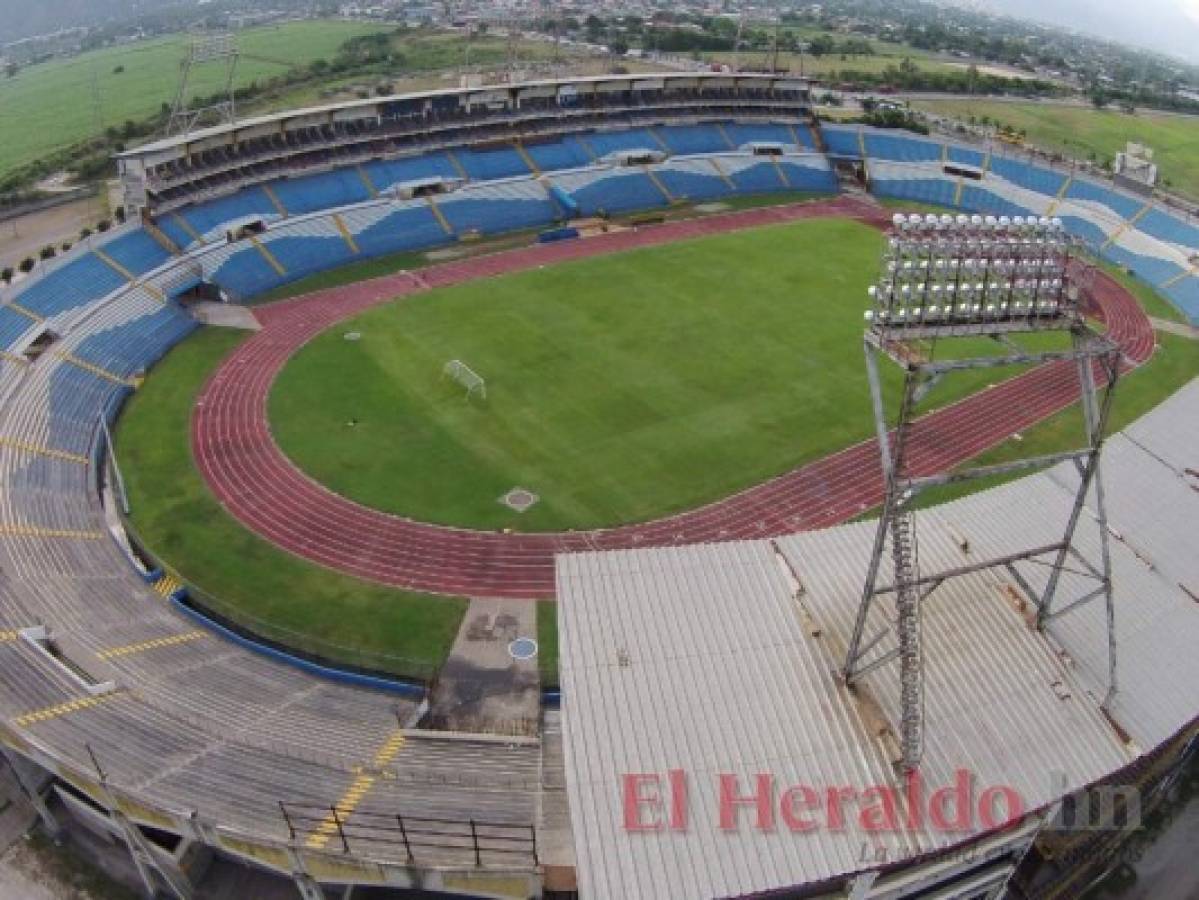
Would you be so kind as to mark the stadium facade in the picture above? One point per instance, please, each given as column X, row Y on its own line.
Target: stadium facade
column 184, row 739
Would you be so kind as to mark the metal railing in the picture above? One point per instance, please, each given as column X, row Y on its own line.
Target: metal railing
column 424, row 841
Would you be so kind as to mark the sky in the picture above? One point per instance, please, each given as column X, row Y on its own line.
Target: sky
column 1169, row 26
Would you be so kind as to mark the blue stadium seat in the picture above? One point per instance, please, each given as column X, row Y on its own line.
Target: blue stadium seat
column 1125, row 207
column 82, row 280
column 303, row 255
column 13, row 326
column 492, row 163
column 841, row 140
column 1170, row 228
column 813, row 178
column 136, row 345
column 1034, row 178
column 605, row 142
column 246, row 273
column 758, row 178
column 551, row 156
column 325, row 190
column 620, row 191
column 77, row 397
column 1150, row 269
column 409, row 228
column 685, row 139
column 1185, row 295
column 137, row 252
column 213, row 216
column 900, row 148
column 753, row 132
column 384, row 173
column 496, row 208
column 686, row 183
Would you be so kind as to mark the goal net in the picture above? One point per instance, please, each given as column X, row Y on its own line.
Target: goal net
column 464, row 375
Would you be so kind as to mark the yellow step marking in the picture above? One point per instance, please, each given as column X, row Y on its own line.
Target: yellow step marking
column 653, row 132
column 27, row 313
column 345, row 232
column 779, row 169
column 167, row 585
column 114, row 265
column 817, row 137
column 366, row 180
column 62, row 709
column 274, row 198
column 17, row 530
column 30, row 447
column 1173, row 280
column 358, row 789
column 162, row 237
column 154, row 644
column 268, row 256
column 957, row 193
column 653, row 176
column 724, row 134
column 187, row 226
column 721, row 172
column 528, row 160
column 1061, row 195
column 1125, row 225
column 14, row 357
column 441, row 219
column 586, row 145
column 987, row 161
column 862, row 142
column 944, row 154
column 11, row 635
column 93, row 368
column 457, row 165
column 795, row 134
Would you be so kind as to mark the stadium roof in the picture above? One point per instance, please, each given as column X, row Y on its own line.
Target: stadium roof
column 316, row 115
column 722, row 659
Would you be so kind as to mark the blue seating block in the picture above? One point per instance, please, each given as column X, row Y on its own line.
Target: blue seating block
column 686, row 139
column 216, row 215
column 492, row 163
column 84, row 279
column 325, row 190
column 137, row 252
column 492, row 215
column 1125, row 207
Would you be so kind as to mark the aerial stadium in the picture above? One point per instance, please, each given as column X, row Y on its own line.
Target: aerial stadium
column 720, row 440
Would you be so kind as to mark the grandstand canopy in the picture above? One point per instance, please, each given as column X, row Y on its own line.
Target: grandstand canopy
column 722, row 659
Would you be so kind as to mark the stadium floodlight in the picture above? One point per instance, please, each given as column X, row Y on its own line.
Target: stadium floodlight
column 944, row 275
column 952, row 276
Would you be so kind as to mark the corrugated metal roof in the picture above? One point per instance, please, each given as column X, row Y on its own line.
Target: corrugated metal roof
column 704, row 659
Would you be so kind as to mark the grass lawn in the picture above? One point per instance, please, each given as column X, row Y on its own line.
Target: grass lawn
column 1082, row 131
column 278, row 595
column 50, row 105
column 620, row 388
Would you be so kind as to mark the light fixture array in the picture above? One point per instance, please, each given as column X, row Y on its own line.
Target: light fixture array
column 942, row 270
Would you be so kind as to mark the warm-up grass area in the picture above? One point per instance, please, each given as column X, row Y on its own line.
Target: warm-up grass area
column 619, row 389
column 278, row 595
column 1080, row 131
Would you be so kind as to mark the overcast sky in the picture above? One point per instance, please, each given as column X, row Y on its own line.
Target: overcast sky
column 1171, row 26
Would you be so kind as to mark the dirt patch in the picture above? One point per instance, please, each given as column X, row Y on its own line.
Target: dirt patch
column 26, row 235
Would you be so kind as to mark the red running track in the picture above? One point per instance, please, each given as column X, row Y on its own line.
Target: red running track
column 259, row 485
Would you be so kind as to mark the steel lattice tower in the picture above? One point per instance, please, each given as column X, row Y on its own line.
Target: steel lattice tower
column 207, row 51
column 944, row 278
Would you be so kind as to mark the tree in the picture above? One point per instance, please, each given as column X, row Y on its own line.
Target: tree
column 47, row 252
column 11, row 69
column 26, row 264
column 821, row 44
column 6, row 274
column 618, row 47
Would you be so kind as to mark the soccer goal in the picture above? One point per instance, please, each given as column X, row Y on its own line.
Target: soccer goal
column 464, row 375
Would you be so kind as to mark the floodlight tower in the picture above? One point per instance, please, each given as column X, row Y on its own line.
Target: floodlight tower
column 968, row 276
column 210, row 50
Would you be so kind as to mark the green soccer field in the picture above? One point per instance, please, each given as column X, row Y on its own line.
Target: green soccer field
column 619, row 389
